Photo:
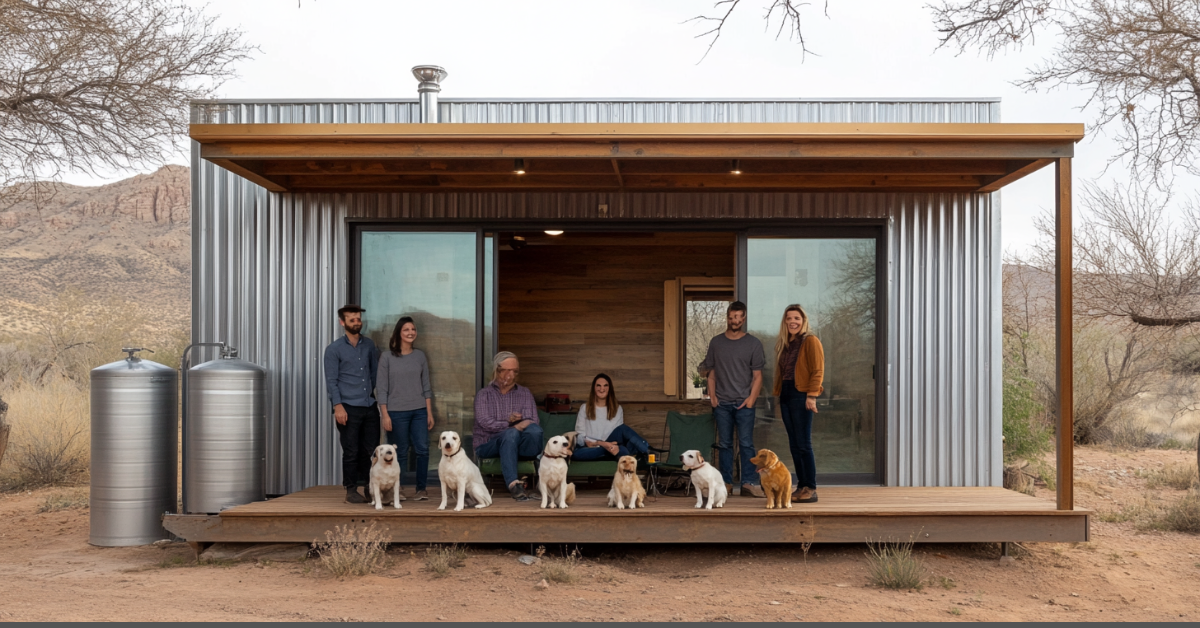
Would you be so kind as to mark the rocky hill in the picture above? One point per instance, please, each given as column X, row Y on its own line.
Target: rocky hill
column 129, row 240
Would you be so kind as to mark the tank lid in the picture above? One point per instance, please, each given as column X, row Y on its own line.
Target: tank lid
column 131, row 365
column 226, row 364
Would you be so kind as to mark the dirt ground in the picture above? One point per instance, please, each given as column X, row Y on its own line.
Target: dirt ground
column 1122, row 574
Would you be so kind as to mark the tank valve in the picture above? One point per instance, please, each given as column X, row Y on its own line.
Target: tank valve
column 132, row 350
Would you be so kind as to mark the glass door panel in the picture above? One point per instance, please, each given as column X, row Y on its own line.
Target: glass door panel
column 432, row 277
column 834, row 280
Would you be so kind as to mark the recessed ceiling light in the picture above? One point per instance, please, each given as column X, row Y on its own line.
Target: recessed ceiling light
column 519, row 166
column 553, row 232
column 737, row 167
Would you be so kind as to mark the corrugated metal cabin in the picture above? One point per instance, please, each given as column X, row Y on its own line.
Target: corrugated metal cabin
column 880, row 216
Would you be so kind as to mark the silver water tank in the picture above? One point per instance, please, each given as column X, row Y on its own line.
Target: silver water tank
column 134, row 442
column 224, row 434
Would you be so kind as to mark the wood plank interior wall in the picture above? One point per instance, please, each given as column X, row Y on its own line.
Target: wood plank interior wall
column 578, row 304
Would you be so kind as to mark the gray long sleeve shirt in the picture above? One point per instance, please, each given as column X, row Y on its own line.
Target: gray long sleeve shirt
column 403, row 381
column 350, row 371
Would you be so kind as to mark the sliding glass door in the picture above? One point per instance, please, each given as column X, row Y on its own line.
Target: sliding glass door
column 437, row 278
column 835, row 280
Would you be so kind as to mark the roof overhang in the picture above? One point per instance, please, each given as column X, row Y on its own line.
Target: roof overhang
column 880, row 157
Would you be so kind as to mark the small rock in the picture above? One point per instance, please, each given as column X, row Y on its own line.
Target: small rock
column 163, row 543
column 773, row 603
column 527, row 559
column 440, row 618
column 841, row 586
column 543, row 585
column 1074, row 595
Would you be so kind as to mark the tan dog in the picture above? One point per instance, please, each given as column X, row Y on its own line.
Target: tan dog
column 385, row 476
column 556, row 491
column 775, row 477
column 627, row 486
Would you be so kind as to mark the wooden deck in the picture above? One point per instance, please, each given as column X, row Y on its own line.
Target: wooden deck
column 843, row 515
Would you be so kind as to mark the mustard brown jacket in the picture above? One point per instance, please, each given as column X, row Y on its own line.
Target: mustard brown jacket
column 810, row 369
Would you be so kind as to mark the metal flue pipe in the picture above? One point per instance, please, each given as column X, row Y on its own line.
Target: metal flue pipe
column 431, row 77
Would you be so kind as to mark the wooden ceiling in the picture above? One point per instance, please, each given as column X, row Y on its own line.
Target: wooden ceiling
column 635, row 157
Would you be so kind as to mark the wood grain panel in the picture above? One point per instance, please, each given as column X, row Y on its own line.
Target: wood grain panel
column 604, row 313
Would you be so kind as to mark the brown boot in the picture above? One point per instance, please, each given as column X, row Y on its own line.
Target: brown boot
column 752, row 490
column 804, row 496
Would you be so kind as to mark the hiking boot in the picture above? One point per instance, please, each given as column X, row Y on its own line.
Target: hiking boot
column 752, row 490
column 804, row 496
column 421, row 495
column 518, row 493
column 728, row 489
column 354, row 497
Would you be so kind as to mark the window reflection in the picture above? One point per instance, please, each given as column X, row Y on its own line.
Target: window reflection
column 834, row 280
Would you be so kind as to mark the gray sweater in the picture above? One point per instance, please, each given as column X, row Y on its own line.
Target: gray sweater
column 403, row 381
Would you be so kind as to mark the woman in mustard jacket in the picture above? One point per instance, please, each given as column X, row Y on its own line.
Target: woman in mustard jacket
column 799, row 372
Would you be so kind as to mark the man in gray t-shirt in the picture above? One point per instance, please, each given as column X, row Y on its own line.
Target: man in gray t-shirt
column 734, row 364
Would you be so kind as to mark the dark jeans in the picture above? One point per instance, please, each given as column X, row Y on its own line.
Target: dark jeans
column 510, row 446
column 727, row 416
column 798, row 420
column 411, row 427
column 359, row 438
column 625, row 437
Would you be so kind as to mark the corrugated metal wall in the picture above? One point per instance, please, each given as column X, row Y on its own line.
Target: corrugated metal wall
column 270, row 270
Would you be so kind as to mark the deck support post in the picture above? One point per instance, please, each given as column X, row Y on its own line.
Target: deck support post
column 1005, row 549
column 1064, row 338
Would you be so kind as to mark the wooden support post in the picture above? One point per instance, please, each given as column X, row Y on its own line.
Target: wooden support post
column 1063, row 356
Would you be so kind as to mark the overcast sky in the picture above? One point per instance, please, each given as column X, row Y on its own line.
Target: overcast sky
column 623, row 48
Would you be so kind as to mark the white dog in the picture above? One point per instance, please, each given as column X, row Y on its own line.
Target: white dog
column 385, row 475
column 704, row 476
column 457, row 473
column 552, row 474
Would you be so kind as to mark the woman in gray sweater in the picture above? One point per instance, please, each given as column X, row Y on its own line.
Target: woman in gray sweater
column 405, row 399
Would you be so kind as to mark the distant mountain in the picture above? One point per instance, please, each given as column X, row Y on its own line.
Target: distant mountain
column 129, row 240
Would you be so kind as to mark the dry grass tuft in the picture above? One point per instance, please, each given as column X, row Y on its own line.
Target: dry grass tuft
column 893, row 566
column 1180, row 516
column 350, row 551
column 48, row 444
column 560, row 570
column 64, row 500
column 1174, row 475
column 440, row 559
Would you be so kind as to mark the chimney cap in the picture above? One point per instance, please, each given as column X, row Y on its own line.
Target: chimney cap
column 430, row 76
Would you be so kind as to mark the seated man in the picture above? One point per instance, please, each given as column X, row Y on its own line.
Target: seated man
column 506, row 423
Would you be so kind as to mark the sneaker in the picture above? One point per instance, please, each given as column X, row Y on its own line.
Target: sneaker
column 752, row 490
column 518, row 493
column 402, row 497
column 354, row 497
column 421, row 495
column 804, row 496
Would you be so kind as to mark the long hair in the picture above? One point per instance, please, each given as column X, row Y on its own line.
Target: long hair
column 395, row 343
column 782, row 343
column 610, row 402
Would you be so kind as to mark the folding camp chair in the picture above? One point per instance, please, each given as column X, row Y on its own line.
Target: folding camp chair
column 687, row 431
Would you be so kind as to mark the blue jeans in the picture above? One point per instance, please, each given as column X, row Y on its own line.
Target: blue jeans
column 411, row 427
column 798, row 420
column 726, row 416
column 625, row 437
column 510, row 446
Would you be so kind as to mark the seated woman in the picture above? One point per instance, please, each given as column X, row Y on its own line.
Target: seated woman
column 602, row 429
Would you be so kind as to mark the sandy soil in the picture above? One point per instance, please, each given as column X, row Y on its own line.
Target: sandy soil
column 1122, row 574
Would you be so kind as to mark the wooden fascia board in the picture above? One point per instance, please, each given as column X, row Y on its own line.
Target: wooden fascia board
column 778, row 148
column 1057, row 132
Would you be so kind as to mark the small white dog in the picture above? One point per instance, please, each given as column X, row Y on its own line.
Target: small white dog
column 552, row 474
column 704, row 476
column 385, row 475
column 627, row 486
column 457, row 473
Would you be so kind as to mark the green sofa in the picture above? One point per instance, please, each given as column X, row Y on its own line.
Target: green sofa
column 554, row 425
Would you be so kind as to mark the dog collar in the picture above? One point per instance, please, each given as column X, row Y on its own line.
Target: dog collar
column 769, row 467
column 549, row 456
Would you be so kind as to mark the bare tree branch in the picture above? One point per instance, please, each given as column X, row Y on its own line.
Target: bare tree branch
column 88, row 85
column 789, row 21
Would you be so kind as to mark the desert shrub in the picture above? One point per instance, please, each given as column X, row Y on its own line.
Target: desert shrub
column 1180, row 516
column 440, row 559
column 1179, row 476
column 64, row 500
column 561, row 570
column 351, row 551
column 48, row 444
column 893, row 566
column 1027, row 435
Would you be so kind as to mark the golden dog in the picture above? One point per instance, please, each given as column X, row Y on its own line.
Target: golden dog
column 627, row 486
column 776, row 479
